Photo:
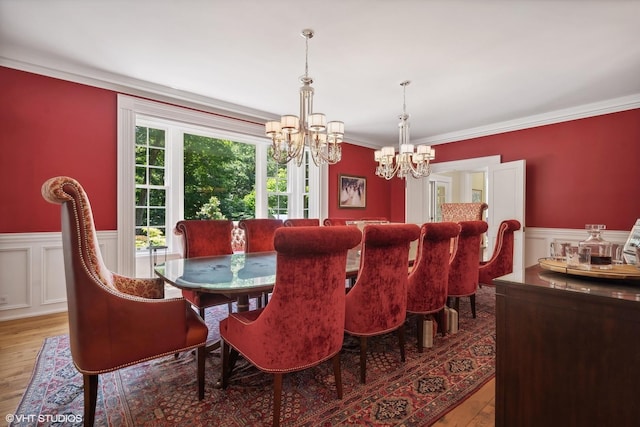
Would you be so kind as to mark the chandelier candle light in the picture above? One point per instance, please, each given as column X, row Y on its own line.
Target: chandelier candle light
column 290, row 135
column 409, row 160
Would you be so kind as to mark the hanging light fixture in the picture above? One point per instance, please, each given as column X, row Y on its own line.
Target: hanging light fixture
column 290, row 135
column 409, row 159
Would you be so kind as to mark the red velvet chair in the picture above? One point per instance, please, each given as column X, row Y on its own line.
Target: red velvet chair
column 303, row 325
column 428, row 282
column 258, row 233
column 335, row 221
column 115, row 321
column 207, row 237
column 377, row 302
column 501, row 261
column 298, row 222
column 456, row 212
column 465, row 261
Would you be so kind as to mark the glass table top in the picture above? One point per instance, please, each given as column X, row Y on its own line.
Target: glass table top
column 238, row 273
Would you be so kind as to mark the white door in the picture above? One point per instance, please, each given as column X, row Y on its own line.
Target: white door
column 505, row 197
column 417, row 201
column 424, row 197
column 439, row 193
column 505, row 191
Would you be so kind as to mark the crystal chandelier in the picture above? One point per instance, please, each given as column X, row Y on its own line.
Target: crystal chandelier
column 407, row 160
column 290, row 135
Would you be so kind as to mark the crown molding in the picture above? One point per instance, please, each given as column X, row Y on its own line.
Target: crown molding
column 145, row 89
column 141, row 88
column 614, row 105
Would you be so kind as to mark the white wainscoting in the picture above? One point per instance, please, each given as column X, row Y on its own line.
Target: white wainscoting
column 32, row 269
column 32, row 279
column 538, row 240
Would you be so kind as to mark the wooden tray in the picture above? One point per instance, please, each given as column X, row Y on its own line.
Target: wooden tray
column 621, row 272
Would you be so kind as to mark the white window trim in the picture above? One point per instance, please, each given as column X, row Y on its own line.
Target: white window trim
column 129, row 108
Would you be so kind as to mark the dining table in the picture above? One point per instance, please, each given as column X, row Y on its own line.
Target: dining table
column 236, row 275
column 240, row 274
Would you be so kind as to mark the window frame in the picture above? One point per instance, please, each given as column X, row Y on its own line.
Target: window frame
column 132, row 109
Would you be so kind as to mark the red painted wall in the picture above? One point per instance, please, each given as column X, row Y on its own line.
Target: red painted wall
column 52, row 127
column 358, row 161
column 577, row 172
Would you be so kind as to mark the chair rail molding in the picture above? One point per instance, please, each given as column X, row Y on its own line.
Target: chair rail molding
column 32, row 281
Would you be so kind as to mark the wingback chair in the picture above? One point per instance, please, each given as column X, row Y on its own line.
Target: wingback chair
column 456, row 212
column 428, row 282
column 258, row 233
column 298, row 222
column 114, row 321
column 207, row 237
column 303, row 325
column 377, row 302
column 501, row 261
column 465, row 261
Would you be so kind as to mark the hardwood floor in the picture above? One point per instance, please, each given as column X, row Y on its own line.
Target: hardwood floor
column 21, row 340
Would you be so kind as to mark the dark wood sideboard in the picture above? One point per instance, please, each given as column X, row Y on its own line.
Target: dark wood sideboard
column 567, row 351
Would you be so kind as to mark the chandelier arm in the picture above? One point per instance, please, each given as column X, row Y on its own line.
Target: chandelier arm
column 292, row 133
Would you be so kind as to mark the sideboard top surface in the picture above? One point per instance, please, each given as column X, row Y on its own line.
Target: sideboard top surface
column 539, row 277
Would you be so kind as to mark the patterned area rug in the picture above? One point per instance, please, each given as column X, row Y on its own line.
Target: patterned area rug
column 163, row 392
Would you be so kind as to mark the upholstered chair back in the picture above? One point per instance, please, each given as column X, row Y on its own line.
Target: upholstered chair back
column 377, row 302
column 303, row 324
column 114, row 321
column 429, row 279
column 456, row 212
column 501, row 261
column 259, row 233
column 304, row 320
column 206, row 237
column 298, row 222
column 76, row 213
column 463, row 270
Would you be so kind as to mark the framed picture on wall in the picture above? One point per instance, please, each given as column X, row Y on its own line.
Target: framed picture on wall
column 352, row 191
column 476, row 196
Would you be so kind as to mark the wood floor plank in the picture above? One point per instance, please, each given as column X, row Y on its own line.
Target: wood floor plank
column 477, row 410
column 20, row 343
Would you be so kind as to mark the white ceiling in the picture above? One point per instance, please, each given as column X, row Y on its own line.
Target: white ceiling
column 475, row 66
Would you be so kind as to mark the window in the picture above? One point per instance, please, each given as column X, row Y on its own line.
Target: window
column 219, row 178
column 177, row 163
column 151, row 189
column 277, row 190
